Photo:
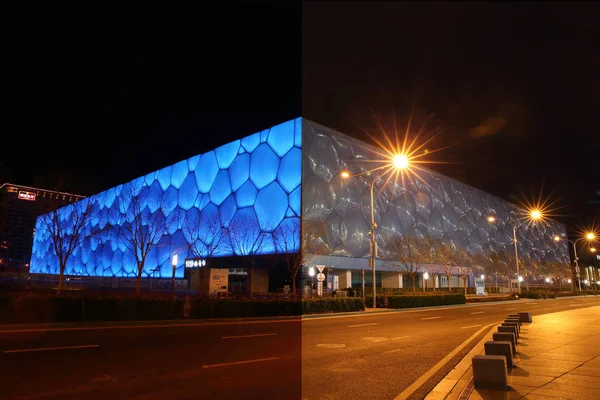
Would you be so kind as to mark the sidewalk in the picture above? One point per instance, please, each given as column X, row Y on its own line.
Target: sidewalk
column 558, row 357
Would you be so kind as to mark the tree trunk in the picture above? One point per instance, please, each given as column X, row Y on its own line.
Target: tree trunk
column 61, row 276
column 138, row 283
column 413, row 277
column 449, row 287
column 250, row 272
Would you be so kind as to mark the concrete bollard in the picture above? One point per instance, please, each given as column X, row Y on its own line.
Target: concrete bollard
column 512, row 323
column 509, row 329
column 516, row 319
column 500, row 349
column 490, row 372
column 506, row 337
column 526, row 317
column 514, row 316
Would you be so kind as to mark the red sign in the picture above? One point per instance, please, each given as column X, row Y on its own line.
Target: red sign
column 26, row 195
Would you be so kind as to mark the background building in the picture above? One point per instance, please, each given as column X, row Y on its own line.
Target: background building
column 19, row 208
column 265, row 187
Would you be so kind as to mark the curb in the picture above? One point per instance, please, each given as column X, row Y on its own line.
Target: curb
column 458, row 384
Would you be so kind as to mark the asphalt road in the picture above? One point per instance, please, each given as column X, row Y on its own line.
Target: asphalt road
column 374, row 356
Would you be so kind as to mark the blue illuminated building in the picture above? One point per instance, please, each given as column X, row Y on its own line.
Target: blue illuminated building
column 288, row 176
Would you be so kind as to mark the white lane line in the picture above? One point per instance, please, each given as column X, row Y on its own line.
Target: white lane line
column 470, row 326
column 400, row 337
column 240, row 362
column 514, row 308
column 356, row 326
column 422, row 319
column 478, row 312
column 530, row 303
column 246, row 336
column 88, row 346
column 393, row 351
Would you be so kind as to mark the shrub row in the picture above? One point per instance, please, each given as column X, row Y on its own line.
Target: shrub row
column 537, row 294
column 45, row 309
column 421, row 300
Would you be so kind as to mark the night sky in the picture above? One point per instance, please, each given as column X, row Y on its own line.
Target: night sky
column 512, row 90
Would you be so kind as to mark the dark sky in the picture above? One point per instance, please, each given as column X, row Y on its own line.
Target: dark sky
column 112, row 93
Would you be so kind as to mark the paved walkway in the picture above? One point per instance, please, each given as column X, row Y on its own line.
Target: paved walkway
column 558, row 357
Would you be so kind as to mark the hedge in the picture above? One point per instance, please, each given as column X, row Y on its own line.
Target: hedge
column 46, row 309
column 421, row 300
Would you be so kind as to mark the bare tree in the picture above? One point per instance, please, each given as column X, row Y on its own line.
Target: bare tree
column 464, row 260
column 409, row 254
column 297, row 249
column 446, row 256
column 247, row 241
column 68, row 227
column 205, row 235
column 138, row 227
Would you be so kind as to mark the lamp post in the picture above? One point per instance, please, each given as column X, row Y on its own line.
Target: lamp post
column 588, row 236
column 425, row 278
column 174, row 263
column 399, row 161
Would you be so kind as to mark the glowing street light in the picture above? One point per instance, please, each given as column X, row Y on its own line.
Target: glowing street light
column 589, row 236
column 520, row 279
column 396, row 162
column 174, row 263
column 491, row 218
column 311, row 271
column 536, row 214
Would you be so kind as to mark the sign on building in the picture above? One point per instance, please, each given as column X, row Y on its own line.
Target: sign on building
column 23, row 195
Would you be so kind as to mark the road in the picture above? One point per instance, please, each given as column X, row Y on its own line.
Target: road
column 371, row 355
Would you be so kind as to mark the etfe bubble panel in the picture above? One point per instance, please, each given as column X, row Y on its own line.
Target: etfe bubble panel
column 257, row 177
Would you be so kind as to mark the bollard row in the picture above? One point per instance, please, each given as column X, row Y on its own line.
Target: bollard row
column 490, row 371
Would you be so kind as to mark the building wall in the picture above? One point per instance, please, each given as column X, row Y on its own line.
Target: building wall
column 339, row 211
column 255, row 179
column 19, row 208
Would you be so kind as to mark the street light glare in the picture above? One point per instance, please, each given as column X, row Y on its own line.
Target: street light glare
column 491, row 219
column 557, row 238
column 590, row 236
column 345, row 174
column 536, row 214
column 400, row 161
column 593, row 249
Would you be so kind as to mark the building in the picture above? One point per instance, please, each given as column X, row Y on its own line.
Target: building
column 279, row 180
column 19, row 208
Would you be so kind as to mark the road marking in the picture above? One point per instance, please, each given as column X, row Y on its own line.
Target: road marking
column 514, row 308
column 356, row 326
column 531, row 303
column 427, row 375
column 240, row 362
column 423, row 319
column 470, row 326
column 332, row 345
column 375, row 339
column 400, row 337
column 246, row 336
column 88, row 346
column 478, row 312
column 392, row 351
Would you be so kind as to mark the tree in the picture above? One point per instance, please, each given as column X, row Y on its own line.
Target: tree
column 464, row 260
column 297, row 253
column 205, row 235
column 409, row 254
column 247, row 241
column 138, row 227
column 68, row 227
column 446, row 256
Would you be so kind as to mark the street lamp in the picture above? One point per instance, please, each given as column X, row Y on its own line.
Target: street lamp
column 533, row 215
column 588, row 236
column 425, row 278
column 174, row 263
column 398, row 162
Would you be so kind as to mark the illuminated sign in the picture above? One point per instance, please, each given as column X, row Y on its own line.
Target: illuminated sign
column 26, row 195
column 195, row 263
